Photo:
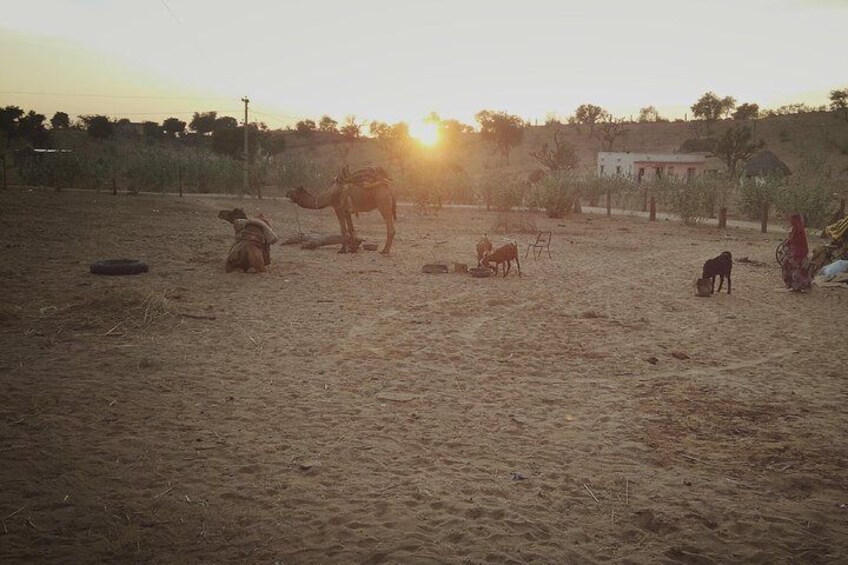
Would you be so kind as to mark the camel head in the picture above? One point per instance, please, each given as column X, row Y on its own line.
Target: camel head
column 232, row 215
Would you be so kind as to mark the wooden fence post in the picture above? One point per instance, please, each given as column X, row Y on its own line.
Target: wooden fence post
column 722, row 218
column 764, row 224
column 653, row 213
column 114, row 187
column 609, row 204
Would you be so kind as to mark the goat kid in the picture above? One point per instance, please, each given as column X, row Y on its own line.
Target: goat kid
column 718, row 267
column 503, row 254
column 483, row 246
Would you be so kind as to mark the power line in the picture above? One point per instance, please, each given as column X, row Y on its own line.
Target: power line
column 92, row 95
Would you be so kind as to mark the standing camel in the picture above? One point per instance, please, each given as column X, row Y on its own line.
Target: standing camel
column 361, row 191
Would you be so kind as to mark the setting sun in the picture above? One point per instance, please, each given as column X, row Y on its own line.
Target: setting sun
column 426, row 133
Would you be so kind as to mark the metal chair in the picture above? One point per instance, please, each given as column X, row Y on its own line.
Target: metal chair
column 543, row 241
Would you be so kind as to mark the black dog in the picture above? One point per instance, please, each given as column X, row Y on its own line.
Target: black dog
column 719, row 267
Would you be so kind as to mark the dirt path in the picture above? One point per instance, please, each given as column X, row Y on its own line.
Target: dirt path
column 350, row 409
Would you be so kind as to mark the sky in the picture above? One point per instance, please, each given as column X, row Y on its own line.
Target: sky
column 395, row 60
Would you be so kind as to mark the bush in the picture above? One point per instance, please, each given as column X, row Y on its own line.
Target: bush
column 692, row 201
column 557, row 193
column 810, row 191
column 500, row 190
column 755, row 192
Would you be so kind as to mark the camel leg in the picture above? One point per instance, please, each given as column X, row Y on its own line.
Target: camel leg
column 390, row 229
column 351, row 234
column 343, row 227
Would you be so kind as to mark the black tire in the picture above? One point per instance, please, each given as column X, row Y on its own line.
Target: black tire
column 118, row 267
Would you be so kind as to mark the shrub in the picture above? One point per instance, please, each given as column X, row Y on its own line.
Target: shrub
column 557, row 193
column 809, row 191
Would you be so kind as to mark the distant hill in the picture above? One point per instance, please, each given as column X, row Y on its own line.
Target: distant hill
column 790, row 137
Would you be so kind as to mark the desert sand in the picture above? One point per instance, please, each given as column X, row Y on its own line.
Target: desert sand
column 352, row 409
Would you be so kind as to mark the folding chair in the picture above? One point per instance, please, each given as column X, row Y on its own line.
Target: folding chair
column 543, row 241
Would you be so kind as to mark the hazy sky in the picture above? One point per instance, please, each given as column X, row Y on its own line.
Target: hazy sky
column 396, row 60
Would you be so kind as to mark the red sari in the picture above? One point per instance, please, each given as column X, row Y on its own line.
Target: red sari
column 796, row 275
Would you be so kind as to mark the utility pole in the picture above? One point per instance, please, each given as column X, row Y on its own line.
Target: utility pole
column 246, row 154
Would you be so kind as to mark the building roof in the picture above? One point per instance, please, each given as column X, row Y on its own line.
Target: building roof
column 765, row 163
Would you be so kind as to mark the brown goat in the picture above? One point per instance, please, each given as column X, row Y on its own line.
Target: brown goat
column 503, row 254
column 483, row 246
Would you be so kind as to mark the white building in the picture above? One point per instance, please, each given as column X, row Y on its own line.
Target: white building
column 646, row 166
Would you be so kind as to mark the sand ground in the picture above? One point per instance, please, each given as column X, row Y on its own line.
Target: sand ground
column 351, row 409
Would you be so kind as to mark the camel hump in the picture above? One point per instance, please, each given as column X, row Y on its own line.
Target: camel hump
column 366, row 177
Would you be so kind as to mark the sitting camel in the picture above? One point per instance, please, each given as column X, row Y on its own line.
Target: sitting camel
column 361, row 191
column 252, row 248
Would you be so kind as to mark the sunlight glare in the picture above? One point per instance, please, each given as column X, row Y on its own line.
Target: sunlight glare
column 426, row 133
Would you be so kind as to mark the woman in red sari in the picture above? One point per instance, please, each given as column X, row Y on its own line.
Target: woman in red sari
column 796, row 275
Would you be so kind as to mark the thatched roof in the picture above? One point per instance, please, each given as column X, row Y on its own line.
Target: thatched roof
column 765, row 163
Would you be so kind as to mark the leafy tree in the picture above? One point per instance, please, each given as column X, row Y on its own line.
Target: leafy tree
column 98, row 127
column 272, row 142
column 174, row 126
column 328, row 124
column 650, row 114
column 562, row 156
column 839, row 102
column 203, row 122
column 230, row 141
column 746, row 111
column 60, row 120
column 351, row 129
column 152, row 130
column 31, row 127
column 9, row 117
column 588, row 115
column 226, row 122
column 710, row 107
column 792, row 109
column 736, row 145
column 394, row 140
column 305, row 127
column 505, row 131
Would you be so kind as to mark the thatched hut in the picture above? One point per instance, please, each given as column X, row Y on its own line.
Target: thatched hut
column 765, row 164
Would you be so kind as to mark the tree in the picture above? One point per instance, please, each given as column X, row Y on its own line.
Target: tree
column 609, row 130
column 746, row 111
column 650, row 114
column 230, row 141
column 60, row 120
column 98, row 127
column 839, row 102
column 226, row 122
column 394, row 140
column 504, row 130
column 272, row 142
column 588, row 115
column 351, row 129
column 174, row 126
column 203, row 122
column 9, row 117
column 31, row 127
column 305, row 127
column 152, row 130
column 328, row 124
column 710, row 107
column 736, row 145
column 561, row 157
